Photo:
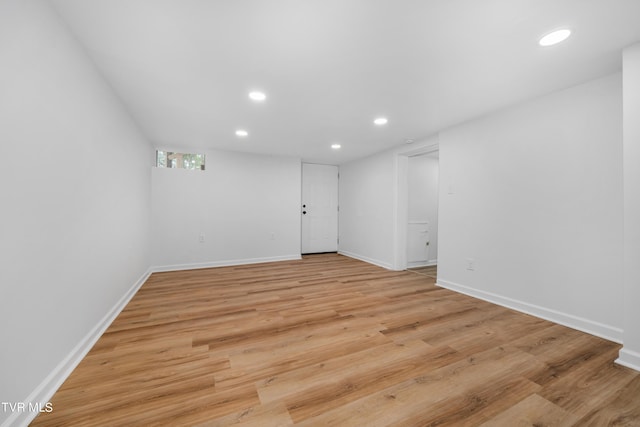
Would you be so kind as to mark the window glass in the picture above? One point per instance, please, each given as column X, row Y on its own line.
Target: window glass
column 170, row 159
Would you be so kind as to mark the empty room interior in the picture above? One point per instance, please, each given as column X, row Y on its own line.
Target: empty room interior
column 320, row 212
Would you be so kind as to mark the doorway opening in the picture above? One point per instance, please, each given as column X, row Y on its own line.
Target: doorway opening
column 422, row 211
column 416, row 245
column 430, row 271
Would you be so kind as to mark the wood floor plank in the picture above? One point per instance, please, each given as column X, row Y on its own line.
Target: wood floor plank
column 340, row 380
column 589, row 385
column 330, row 340
column 621, row 410
column 234, row 377
column 533, row 411
column 445, row 396
column 269, row 415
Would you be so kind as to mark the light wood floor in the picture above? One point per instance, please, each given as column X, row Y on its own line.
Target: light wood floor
column 329, row 340
column 431, row 271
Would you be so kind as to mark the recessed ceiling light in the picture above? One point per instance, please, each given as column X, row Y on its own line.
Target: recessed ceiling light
column 257, row 96
column 381, row 121
column 336, row 146
column 555, row 37
column 242, row 133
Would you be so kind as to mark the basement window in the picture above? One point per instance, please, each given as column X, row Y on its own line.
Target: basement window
column 173, row 160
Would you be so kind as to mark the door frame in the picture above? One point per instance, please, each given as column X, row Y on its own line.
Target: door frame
column 401, row 208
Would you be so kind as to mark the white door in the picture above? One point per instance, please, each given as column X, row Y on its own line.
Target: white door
column 319, row 208
column 417, row 243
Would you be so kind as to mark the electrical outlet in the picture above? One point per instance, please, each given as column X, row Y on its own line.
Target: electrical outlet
column 471, row 264
column 201, row 238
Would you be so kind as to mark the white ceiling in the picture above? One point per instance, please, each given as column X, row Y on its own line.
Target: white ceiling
column 183, row 68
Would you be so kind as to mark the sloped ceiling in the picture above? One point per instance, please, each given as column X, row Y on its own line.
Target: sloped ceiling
column 184, row 68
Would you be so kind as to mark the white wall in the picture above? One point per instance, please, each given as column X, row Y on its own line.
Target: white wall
column 423, row 202
column 373, row 214
column 630, row 354
column 367, row 199
column 247, row 207
column 74, row 216
column 537, row 203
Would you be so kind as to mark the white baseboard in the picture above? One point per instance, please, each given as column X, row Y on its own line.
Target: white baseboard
column 585, row 325
column 224, row 263
column 417, row 264
column 629, row 358
column 47, row 388
column 366, row 259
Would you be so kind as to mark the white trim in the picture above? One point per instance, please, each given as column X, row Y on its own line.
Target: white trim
column 629, row 358
column 401, row 197
column 416, row 264
column 429, row 147
column 400, row 211
column 225, row 263
column 366, row 259
column 47, row 388
column 585, row 325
